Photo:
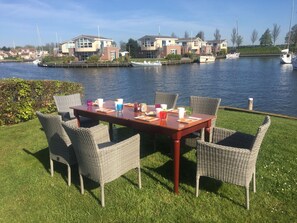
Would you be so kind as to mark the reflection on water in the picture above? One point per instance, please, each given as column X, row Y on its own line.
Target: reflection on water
column 272, row 85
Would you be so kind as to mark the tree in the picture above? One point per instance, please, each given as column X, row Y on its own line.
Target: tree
column 173, row 35
column 254, row 36
column 275, row 33
column 266, row 38
column 200, row 34
column 233, row 36
column 239, row 40
column 123, row 46
column 217, row 35
column 132, row 47
column 186, row 34
column 293, row 37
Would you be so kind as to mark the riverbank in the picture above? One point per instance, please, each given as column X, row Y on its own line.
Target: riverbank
column 128, row 64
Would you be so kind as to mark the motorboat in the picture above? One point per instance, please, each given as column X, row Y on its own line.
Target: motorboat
column 206, row 58
column 232, row 55
column 36, row 62
column 294, row 63
column 146, row 64
column 286, row 57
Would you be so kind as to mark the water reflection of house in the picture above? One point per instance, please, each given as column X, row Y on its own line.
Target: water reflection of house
column 158, row 46
column 85, row 46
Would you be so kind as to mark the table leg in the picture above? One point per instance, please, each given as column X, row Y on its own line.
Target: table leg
column 77, row 118
column 110, row 131
column 176, row 159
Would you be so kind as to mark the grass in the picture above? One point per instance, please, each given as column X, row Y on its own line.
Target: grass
column 29, row 194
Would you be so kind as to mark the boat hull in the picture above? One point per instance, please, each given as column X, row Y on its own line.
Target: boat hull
column 206, row 59
column 286, row 58
column 232, row 55
column 146, row 64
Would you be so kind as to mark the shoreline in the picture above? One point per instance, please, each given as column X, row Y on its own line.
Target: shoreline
column 128, row 64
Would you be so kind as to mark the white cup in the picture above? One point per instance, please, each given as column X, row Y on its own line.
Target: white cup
column 181, row 112
column 164, row 106
column 158, row 112
column 100, row 102
column 120, row 100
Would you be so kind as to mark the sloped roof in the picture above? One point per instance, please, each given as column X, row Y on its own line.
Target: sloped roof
column 91, row 37
column 157, row 37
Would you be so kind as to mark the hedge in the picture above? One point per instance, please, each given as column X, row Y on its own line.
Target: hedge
column 20, row 99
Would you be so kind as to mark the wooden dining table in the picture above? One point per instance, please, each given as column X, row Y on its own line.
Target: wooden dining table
column 127, row 117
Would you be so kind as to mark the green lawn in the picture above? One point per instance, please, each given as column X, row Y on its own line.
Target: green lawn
column 29, row 194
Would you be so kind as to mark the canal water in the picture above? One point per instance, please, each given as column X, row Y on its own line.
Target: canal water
column 272, row 86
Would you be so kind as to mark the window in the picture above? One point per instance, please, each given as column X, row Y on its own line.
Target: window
column 173, row 51
column 84, row 43
column 147, row 42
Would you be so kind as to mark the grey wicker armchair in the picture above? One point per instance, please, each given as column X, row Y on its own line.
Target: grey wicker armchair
column 63, row 104
column 231, row 157
column 60, row 148
column 59, row 144
column 202, row 105
column 106, row 161
column 166, row 98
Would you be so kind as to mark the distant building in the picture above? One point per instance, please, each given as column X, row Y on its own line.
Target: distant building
column 85, row 46
column 218, row 46
column 158, row 46
column 191, row 45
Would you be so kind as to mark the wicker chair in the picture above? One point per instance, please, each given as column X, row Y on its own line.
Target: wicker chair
column 202, row 105
column 60, row 148
column 231, row 157
column 166, row 98
column 64, row 102
column 59, row 144
column 106, row 161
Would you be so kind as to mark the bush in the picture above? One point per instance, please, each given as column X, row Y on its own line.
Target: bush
column 19, row 99
column 173, row 57
column 93, row 59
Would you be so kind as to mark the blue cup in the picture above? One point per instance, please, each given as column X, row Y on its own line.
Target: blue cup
column 119, row 107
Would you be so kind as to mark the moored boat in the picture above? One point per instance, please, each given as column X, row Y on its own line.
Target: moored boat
column 146, row 64
column 294, row 63
column 36, row 62
column 206, row 58
column 232, row 55
column 286, row 57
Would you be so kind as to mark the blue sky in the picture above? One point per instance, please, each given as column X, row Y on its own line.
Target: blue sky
column 61, row 20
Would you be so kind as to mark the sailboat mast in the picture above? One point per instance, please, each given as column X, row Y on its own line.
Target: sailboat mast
column 292, row 11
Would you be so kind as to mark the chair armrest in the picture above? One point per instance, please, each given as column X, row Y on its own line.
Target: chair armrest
column 100, row 133
column 65, row 115
column 119, row 158
column 73, row 122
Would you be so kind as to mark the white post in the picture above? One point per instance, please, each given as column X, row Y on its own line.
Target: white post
column 250, row 103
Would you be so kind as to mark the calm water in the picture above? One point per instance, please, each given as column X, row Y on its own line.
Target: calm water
column 272, row 85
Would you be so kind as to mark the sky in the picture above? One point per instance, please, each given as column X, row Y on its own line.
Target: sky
column 37, row 22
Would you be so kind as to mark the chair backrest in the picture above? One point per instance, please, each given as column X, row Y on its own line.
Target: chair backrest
column 85, row 149
column 205, row 105
column 55, row 134
column 63, row 102
column 260, row 136
column 166, row 98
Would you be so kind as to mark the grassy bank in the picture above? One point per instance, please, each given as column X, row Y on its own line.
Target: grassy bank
column 29, row 194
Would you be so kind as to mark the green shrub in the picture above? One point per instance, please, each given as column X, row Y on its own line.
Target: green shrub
column 173, row 57
column 93, row 59
column 19, row 99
